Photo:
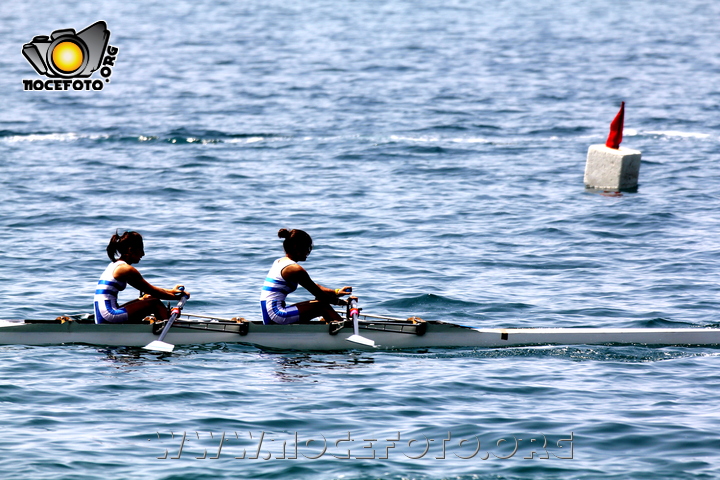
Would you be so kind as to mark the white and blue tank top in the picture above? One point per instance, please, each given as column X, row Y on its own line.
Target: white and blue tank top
column 276, row 288
column 106, row 296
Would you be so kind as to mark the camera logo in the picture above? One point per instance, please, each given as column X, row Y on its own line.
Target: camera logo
column 69, row 56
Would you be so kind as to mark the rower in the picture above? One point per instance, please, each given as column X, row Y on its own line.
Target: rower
column 284, row 277
column 120, row 273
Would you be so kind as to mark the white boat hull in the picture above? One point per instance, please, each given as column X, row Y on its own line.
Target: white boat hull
column 317, row 336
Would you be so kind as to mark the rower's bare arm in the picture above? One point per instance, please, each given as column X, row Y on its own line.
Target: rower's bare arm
column 298, row 274
column 132, row 276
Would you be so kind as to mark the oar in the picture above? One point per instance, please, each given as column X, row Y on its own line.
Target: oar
column 158, row 344
column 356, row 337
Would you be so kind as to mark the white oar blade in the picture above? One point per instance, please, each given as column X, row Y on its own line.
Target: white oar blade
column 159, row 346
column 361, row 340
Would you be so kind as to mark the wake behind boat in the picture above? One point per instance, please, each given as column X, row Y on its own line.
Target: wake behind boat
column 385, row 332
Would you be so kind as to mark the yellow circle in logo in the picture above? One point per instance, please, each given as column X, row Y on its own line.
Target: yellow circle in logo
column 67, row 56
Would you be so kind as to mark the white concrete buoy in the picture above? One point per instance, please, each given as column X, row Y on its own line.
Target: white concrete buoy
column 610, row 166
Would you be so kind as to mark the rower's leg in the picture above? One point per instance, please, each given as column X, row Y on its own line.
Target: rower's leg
column 314, row 308
column 147, row 305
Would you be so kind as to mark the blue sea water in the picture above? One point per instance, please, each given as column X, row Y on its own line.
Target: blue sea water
column 435, row 152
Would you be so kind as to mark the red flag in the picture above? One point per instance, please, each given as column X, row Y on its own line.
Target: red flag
column 616, row 129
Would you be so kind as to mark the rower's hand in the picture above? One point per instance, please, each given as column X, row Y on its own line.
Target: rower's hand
column 343, row 291
column 179, row 290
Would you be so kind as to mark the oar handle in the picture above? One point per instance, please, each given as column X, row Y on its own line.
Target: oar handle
column 175, row 312
column 353, row 313
column 181, row 303
column 178, row 307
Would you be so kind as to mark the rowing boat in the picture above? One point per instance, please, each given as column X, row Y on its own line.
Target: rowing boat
column 385, row 332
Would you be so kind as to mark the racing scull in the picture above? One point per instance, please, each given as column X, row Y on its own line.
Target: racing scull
column 385, row 332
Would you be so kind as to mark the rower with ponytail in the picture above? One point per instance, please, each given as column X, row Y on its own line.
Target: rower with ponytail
column 284, row 277
column 124, row 250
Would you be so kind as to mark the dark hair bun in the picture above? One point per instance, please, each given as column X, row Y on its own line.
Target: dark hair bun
column 120, row 244
column 284, row 233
